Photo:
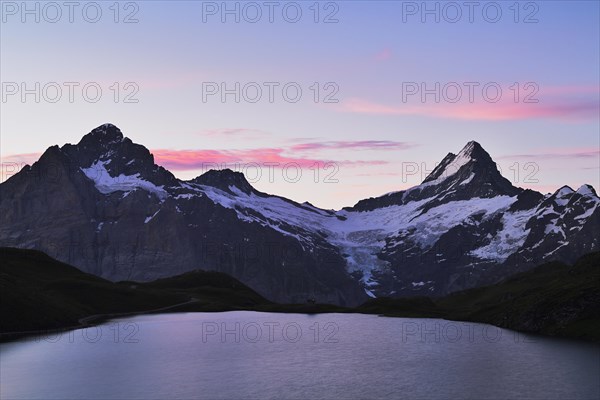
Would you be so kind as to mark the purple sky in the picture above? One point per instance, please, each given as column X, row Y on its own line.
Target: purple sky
column 396, row 90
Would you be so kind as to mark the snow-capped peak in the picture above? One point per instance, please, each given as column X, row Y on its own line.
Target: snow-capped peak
column 564, row 192
column 467, row 154
column 587, row 190
column 471, row 152
column 470, row 149
column 452, row 163
column 562, row 196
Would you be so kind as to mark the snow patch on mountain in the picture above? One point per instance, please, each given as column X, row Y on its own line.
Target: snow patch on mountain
column 587, row 213
column 469, row 179
column 148, row 219
column 362, row 235
column 588, row 191
column 430, row 226
column 563, row 195
column 508, row 239
column 106, row 184
column 553, row 227
column 274, row 212
column 461, row 159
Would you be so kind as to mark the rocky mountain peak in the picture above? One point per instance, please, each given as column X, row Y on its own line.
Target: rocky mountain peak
column 472, row 153
column 473, row 149
column 103, row 135
column 470, row 173
column 106, row 152
column 102, row 143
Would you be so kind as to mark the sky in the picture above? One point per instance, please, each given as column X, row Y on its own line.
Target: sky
column 326, row 102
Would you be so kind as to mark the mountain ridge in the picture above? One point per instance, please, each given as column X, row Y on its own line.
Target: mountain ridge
column 111, row 131
column 111, row 211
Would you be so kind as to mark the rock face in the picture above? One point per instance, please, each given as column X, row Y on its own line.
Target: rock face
column 105, row 207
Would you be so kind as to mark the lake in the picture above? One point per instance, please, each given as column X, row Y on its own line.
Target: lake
column 296, row 356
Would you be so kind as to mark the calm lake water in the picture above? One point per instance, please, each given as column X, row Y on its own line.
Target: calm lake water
column 295, row 356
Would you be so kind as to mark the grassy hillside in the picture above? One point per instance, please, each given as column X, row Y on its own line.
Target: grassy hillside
column 38, row 292
column 553, row 299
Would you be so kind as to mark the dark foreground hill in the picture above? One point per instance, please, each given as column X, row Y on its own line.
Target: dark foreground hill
column 40, row 293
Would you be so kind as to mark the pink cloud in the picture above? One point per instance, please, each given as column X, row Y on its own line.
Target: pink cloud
column 501, row 111
column 181, row 160
column 575, row 153
column 570, row 89
column 13, row 163
column 23, row 158
column 383, row 55
column 360, row 144
column 193, row 159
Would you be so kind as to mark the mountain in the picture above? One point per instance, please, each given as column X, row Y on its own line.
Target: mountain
column 104, row 206
column 467, row 226
column 468, row 174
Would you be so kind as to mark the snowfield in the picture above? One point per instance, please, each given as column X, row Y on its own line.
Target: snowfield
column 106, row 184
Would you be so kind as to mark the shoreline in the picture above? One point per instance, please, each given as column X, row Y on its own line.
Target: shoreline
column 84, row 322
column 97, row 319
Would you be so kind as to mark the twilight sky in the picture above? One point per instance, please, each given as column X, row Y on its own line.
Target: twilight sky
column 397, row 90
